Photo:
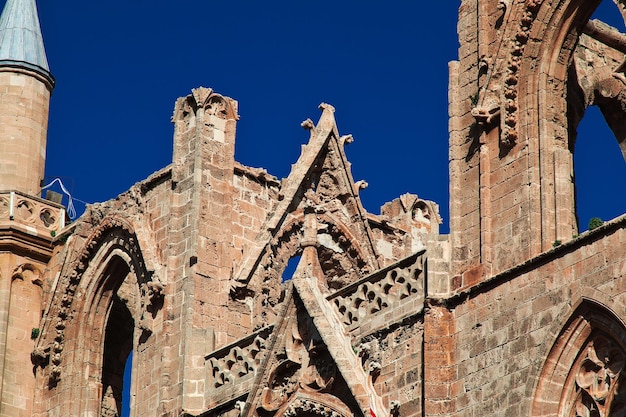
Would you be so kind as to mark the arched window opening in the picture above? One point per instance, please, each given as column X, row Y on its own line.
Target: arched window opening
column 609, row 13
column 599, row 170
column 597, row 120
column 118, row 344
column 597, row 386
column 583, row 374
column 290, row 269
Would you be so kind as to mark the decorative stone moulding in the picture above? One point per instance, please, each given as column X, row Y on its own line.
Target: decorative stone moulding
column 212, row 103
column 40, row 216
column 229, row 365
column 379, row 291
column 27, row 272
column 317, row 405
column 510, row 133
column 115, row 232
column 599, row 390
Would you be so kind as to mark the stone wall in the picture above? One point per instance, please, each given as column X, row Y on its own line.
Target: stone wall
column 506, row 327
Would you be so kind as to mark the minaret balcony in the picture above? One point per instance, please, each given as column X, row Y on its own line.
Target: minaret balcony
column 27, row 220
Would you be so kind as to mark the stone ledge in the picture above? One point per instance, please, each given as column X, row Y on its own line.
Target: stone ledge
column 557, row 252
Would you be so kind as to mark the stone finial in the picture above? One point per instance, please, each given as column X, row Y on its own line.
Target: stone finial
column 408, row 200
column 360, row 185
column 308, row 124
column 201, row 94
column 326, row 106
column 346, row 139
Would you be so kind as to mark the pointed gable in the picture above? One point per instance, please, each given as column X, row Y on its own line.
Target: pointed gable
column 320, row 182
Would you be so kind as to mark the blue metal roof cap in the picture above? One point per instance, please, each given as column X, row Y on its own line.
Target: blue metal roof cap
column 21, row 43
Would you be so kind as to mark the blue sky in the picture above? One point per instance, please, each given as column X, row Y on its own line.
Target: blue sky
column 121, row 65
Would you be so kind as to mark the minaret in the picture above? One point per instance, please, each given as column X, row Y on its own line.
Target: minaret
column 28, row 224
column 25, row 87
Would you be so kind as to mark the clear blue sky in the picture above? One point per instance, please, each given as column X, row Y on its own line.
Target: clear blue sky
column 120, row 65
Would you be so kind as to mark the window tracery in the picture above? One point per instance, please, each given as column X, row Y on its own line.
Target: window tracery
column 583, row 374
column 598, row 376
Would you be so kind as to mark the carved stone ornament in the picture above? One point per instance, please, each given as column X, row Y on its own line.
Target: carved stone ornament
column 510, row 132
column 487, row 115
column 214, row 104
column 318, row 405
column 305, row 365
column 599, row 388
column 27, row 273
column 230, row 365
column 110, row 231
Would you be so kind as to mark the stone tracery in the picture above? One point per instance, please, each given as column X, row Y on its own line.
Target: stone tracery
column 228, row 366
column 379, row 291
column 339, row 252
column 598, row 374
column 583, row 373
column 303, row 365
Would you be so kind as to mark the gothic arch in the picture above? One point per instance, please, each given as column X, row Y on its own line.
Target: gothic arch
column 584, row 365
column 83, row 346
column 341, row 255
column 593, row 82
column 535, row 109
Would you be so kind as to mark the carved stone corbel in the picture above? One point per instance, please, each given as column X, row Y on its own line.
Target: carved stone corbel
column 487, row 115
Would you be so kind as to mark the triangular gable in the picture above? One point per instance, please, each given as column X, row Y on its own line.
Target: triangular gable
column 319, row 180
column 310, row 364
column 332, row 331
column 306, row 359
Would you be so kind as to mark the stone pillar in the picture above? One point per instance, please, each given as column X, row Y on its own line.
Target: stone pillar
column 440, row 371
column 463, row 94
column 204, row 146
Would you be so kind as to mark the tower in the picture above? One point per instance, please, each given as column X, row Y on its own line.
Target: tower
column 28, row 224
column 25, row 87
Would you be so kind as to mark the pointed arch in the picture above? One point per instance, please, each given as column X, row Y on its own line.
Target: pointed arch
column 343, row 258
column 118, row 299
column 583, row 371
column 535, row 110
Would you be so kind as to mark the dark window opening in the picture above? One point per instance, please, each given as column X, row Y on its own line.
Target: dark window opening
column 118, row 344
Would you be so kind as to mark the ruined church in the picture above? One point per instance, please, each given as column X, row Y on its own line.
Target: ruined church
column 515, row 312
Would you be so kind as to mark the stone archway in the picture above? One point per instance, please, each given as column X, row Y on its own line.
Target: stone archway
column 102, row 309
column 583, row 373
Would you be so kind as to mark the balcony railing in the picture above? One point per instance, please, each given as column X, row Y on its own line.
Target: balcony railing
column 36, row 215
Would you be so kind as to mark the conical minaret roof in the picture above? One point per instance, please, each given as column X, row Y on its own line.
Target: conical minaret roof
column 21, row 43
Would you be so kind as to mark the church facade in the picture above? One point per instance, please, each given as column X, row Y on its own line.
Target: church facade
column 241, row 295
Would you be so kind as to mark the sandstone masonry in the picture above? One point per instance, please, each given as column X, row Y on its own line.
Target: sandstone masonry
column 513, row 313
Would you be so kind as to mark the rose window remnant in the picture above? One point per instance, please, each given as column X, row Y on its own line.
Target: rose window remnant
column 600, row 390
